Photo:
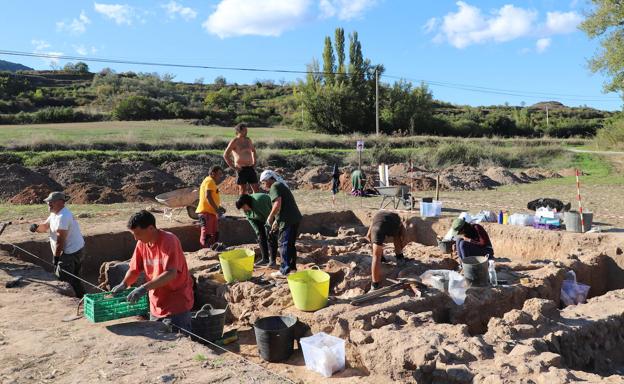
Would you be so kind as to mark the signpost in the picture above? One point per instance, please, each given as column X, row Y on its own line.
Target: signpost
column 360, row 148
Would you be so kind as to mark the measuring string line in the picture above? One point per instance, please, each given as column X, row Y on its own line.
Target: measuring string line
column 180, row 328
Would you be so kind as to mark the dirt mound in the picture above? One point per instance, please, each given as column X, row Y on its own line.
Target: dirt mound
column 33, row 194
column 228, row 186
column 86, row 193
column 465, row 178
column 14, row 178
column 67, row 173
column 502, row 175
column 190, row 172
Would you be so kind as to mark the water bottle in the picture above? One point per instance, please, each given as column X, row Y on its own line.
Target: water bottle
column 500, row 217
column 492, row 273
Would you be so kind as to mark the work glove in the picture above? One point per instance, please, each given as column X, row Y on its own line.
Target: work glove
column 33, row 228
column 118, row 288
column 135, row 295
column 56, row 260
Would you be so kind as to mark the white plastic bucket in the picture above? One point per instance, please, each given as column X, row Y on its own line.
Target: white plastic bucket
column 323, row 353
column 433, row 209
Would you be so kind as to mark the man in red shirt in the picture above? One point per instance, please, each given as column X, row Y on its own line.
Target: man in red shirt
column 159, row 254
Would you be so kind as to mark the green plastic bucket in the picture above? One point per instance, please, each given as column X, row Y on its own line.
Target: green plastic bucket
column 309, row 289
column 237, row 265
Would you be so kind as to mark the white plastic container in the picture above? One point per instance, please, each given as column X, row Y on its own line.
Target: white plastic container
column 433, row 209
column 323, row 353
column 521, row 219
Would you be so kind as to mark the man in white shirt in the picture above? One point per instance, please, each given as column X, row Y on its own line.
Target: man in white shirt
column 65, row 239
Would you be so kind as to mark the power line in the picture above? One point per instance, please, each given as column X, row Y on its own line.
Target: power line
column 464, row 87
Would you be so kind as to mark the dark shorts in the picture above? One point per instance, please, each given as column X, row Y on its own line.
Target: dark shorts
column 385, row 224
column 247, row 175
column 335, row 186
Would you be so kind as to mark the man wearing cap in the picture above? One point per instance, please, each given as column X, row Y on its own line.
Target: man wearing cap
column 284, row 217
column 240, row 155
column 474, row 241
column 65, row 239
column 257, row 208
column 388, row 225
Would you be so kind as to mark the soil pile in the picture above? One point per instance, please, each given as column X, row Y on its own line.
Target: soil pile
column 33, row 194
column 14, row 178
column 189, row 172
column 87, row 193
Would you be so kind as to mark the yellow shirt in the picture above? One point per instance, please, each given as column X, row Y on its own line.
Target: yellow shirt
column 208, row 186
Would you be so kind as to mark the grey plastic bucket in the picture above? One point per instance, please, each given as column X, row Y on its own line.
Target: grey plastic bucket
column 446, row 246
column 476, row 270
column 209, row 322
column 572, row 221
column 275, row 336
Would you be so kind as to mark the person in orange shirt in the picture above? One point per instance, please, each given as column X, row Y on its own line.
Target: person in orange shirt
column 209, row 207
column 159, row 254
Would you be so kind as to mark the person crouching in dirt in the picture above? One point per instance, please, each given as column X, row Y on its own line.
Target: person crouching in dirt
column 474, row 241
column 65, row 239
column 284, row 218
column 358, row 181
column 209, row 207
column 159, row 255
column 387, row 224
column 257, row 208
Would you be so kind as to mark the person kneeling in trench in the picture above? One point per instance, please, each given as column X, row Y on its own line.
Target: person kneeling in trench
column 159, row 254
column 475, row 241
column 388, row 224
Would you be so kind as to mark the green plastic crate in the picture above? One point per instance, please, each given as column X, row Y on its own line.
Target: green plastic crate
column 105, row 306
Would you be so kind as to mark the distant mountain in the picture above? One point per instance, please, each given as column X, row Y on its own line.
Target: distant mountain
column 8, row 66
column 548, row 104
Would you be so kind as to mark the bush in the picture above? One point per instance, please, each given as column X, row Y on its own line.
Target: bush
column 137, row 108
column 612, row 135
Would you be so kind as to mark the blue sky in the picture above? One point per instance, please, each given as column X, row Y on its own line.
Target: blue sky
column 511, row 51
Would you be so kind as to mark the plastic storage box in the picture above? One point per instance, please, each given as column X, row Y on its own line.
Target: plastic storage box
column 323, row 353
column 433, row 209
column 105, row 306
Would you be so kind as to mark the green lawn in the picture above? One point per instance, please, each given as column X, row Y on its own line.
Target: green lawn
column 149, row 132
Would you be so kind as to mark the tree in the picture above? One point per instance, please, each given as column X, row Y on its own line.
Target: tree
column 606, row 22
column 220, row 81
column 357, row 69
column 81, row 67
column 329, row 64
column 339, row 40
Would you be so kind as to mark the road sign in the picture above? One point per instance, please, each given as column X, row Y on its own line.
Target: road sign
column 360, row 145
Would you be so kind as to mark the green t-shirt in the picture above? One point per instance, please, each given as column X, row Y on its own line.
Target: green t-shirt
column 260, row 210
column 289, row 212
column 357, row 179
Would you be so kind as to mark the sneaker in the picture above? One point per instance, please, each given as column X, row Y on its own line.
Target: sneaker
column 373, row 289
column 261, row 263
column 272, row 264
column 277, row 274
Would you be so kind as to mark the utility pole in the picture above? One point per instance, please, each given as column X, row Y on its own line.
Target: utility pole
column 377, row 101
column 547, row 118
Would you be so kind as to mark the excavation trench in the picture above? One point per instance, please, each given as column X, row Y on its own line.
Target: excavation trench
column 437, row 334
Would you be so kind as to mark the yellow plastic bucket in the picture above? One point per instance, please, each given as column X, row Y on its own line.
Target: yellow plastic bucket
column 309, row 289
column 237, row 265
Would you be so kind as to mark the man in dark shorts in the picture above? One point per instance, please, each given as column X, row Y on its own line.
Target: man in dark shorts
column 335, row 184
column 240, row 155
column 388, row 224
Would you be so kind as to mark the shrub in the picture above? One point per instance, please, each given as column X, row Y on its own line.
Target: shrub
column 136, row 107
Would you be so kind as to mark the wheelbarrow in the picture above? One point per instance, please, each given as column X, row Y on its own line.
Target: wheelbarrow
column 178, row 200
column 396, row 195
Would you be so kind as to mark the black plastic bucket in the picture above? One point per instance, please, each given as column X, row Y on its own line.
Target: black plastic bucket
column 446, row 246
column 476, row 270
column 275, row 336
column 208, row 322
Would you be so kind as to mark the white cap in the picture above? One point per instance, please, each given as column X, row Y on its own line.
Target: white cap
column 266, row 175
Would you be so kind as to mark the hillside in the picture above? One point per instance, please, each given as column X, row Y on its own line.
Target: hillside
column 13, row 67
column 76, row 95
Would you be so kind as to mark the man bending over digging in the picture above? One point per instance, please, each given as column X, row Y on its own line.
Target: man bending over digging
column 388, row 224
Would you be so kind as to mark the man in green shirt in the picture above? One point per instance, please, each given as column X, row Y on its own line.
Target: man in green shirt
column 358, row 180
column 257, row 208
column 285, row 217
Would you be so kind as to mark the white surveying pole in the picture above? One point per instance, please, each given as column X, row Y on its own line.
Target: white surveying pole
column 377, row 101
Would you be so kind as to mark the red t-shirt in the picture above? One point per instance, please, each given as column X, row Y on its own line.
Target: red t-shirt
column 177, row 296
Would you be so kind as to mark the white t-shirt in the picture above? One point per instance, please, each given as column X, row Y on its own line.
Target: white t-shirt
column 65, row 220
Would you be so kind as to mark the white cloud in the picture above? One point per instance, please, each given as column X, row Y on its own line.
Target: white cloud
column 82, row 50
column 41, row 46
column 470, row 25
column 76, row 26
column 431, row 25
column 562, row 22
column 256, row 17
column 120, row 13
column 175, row 9
column 345, row 9
column 542, row 44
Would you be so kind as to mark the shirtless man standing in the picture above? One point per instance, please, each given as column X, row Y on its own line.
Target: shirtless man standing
column 243, row 153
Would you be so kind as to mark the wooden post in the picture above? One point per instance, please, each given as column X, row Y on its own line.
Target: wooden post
column 437, row 195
